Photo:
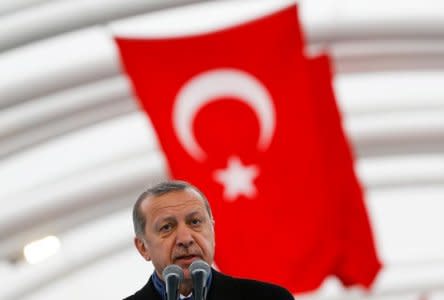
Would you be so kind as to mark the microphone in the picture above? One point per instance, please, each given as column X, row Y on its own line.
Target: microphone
column 173, row 276
column 200, row 271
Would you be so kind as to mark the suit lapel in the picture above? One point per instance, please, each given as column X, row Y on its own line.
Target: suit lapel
column 148, row 292
column 223, row 288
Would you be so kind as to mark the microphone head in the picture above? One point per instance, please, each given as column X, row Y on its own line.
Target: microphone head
column 199, row 265
column 200, row 271
column 173, row 276
column 173, row 270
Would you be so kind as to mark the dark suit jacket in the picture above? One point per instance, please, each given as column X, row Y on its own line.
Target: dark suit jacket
column 226, row 288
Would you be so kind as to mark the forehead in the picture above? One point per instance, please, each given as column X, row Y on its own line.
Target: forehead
column 172, row 203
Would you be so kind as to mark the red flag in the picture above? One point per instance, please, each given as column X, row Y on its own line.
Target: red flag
column 358, row 262
column 234, row 116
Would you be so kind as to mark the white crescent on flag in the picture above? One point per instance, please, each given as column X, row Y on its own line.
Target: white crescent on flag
column 211, row 85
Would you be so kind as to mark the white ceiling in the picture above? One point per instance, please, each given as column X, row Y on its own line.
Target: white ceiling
column 75, row 151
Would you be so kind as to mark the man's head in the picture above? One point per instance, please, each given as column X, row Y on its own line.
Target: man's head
column 173, row 225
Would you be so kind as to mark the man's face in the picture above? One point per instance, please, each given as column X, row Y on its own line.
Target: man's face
column 178, row 230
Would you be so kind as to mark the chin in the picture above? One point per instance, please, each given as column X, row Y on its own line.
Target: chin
column 186, row 274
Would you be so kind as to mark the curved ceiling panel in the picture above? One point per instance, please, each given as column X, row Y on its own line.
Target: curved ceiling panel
column 382, row 92
column 12, row 6
column 344, row 20
column 54, row 17
column 30, row 123
column 80, row 150
column 56, row 63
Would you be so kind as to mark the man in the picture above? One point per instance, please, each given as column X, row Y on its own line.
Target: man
column 173, row 224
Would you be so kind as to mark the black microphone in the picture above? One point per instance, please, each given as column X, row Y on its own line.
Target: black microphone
column 200, row 271
column 173, row 276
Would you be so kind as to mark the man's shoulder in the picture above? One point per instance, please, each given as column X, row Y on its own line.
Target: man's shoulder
column 253, row 289
column 263, row 290
column 146, row 293
column 137, row 295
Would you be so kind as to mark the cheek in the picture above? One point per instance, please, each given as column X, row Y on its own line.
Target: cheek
column 162, row 247
column 207, row 240
column 167, row 246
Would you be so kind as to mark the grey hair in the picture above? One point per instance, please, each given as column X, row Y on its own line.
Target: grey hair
column 157, row 190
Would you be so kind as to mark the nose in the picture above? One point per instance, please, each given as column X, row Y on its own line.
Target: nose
column 184, row 237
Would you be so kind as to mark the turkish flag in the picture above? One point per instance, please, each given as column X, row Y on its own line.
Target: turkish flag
column 235, row 116
column 358, row 261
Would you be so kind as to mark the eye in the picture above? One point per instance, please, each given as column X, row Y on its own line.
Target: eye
column 166, row 228
column 196, row 222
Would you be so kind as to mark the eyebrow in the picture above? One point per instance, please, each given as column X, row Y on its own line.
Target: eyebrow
column 194, row 213
column 164, row 220
column 174, row 219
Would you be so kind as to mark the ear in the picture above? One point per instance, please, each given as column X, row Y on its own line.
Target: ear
column 142, row 248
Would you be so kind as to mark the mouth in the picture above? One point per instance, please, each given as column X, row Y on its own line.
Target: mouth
column 186, row 259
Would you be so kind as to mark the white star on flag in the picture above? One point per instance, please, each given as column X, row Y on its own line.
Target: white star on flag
column 237, row 179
